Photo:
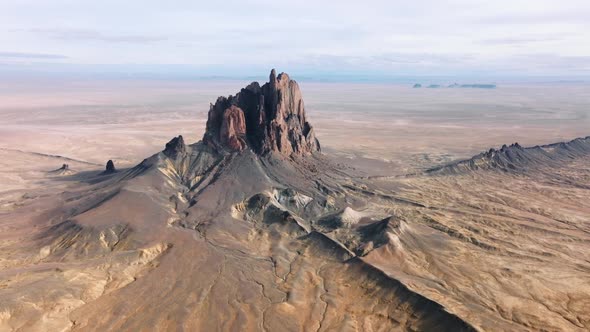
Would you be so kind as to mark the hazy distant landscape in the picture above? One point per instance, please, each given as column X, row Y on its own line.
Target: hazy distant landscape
column 409, row 128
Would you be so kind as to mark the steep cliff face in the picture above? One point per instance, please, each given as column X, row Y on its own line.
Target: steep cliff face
column 233, row 128
column 268, row 118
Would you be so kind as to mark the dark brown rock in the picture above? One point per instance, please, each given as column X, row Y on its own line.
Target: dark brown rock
column 110, row 167
column 175, row 147
column 268, row 118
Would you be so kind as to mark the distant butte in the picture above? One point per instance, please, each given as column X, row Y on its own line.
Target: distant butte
column 268, row 118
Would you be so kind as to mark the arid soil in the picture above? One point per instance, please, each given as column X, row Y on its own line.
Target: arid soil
column 381, row 233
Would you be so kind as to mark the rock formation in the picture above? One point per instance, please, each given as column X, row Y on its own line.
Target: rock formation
column 63, row 170
column 515, row 158
column 268, row 118
column 110, row 167
column 175, row 147
column 233, row 128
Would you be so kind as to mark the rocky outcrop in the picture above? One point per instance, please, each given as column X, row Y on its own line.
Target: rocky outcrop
column 110, row 167
column 515, row 158
column 63, row 170
column 268, row 118
column 233, row 128
column 175, row 147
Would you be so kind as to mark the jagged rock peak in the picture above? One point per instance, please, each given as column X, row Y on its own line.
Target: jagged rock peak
column 110, row 167
column 175, row 147
column 516, row 158
column 267, row 118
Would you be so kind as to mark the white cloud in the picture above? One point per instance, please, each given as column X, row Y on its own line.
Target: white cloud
column 86, row 35
column 385, row 35
column 43, row 56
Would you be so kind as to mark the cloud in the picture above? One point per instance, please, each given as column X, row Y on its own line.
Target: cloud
column 384, row 36
column 388, row 61
column 93, row 35
column 448, row 64
column 518, row 40
column 41, row 56
column 554, row 16
column 554, row 62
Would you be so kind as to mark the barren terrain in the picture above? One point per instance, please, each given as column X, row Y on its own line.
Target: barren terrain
column 383, row 230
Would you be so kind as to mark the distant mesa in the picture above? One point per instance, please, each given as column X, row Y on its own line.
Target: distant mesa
column 110, row 167
column 267, row 118
column 433, row 86
column 417, row 85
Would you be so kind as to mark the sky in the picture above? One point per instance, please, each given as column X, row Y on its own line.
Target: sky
column 340, row 38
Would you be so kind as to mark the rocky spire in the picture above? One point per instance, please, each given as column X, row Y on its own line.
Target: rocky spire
column 175, row 147
column 110, row 167
column 268, row 118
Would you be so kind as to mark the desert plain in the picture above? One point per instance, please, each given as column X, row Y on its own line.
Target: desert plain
column 396, row 240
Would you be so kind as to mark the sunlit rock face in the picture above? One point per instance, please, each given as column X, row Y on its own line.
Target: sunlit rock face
column 265, row 118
